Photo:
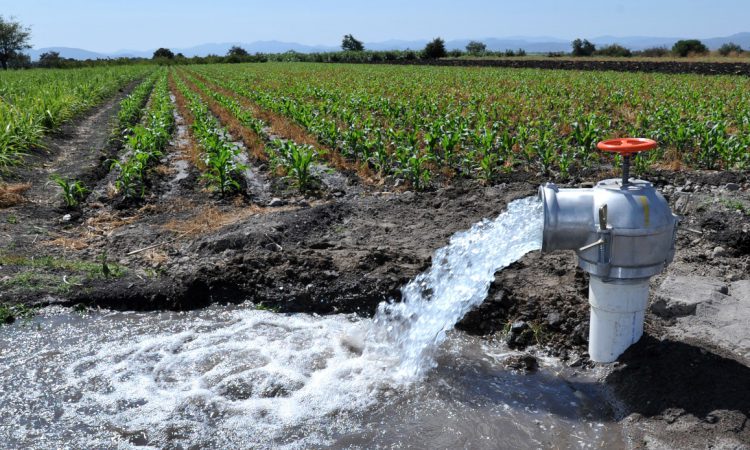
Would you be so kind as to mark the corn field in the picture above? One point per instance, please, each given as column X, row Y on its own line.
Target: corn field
column 33, row 103
column 417, row 122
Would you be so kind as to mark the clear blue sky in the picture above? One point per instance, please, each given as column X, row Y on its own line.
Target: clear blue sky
column 109, row 25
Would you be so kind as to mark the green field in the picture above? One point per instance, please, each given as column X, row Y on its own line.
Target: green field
column 423, row 123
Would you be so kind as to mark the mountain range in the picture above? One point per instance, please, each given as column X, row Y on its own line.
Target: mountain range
column 538, row 44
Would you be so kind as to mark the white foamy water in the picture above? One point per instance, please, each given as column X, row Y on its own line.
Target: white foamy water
column 237, row 377
column 459, row 279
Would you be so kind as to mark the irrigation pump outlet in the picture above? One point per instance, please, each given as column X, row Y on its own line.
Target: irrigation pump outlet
column 623, row 232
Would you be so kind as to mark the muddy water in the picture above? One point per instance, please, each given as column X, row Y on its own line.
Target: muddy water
column 237, row 377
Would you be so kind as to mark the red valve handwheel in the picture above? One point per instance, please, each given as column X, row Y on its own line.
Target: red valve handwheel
column 627, row 146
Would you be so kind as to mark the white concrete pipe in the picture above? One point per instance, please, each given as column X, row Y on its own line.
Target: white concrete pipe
column 617, row 312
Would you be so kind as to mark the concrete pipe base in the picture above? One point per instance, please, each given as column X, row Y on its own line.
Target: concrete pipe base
column 617, row 312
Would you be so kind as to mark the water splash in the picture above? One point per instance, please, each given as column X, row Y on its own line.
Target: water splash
column 458, row 280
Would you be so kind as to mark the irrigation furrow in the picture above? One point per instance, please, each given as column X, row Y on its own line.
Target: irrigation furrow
column 224, row 159
column 248, row 142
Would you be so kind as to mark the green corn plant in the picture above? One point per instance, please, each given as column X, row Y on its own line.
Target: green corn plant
column 221, row 170
column 129, row 177
column 413, row 168
column 565, row 159
column 74, row 191
column 300, row 158
column 488, row 167
column 711, row 142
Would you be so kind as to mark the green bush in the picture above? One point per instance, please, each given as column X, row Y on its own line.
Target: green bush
column 614, row 50
column 728, row 48
column 654, row 52
column 686, row 47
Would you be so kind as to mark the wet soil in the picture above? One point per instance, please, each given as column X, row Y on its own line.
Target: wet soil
column 346, row 250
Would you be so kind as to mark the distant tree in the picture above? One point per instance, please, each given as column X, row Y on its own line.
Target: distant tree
column 14, row 38
column 583, row 47
column 350, row 44
column 237, row 51
column 163, row 53
column 614, row 50
column 435, row 49
column 728, row 48
column 686, row 47
column 521, row 52
column 50, row 60
column 20, row 61
column 654, row 52
column 179, row 56
column 476, row 48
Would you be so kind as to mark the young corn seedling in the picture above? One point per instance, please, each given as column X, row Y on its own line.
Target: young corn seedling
column 221, row 169
column 74, row 191
column 300, row 158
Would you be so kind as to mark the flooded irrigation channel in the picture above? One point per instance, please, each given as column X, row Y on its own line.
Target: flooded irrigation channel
column 235, row 376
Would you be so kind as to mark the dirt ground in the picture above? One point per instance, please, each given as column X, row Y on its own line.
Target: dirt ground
column 356, row 242
column 740, row 67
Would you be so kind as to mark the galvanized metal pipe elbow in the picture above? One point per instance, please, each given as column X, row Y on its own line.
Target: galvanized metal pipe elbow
column 618, row 231
column 568, row 217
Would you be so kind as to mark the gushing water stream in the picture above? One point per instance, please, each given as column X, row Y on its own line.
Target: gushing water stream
column 458, row 280
column 234, row 376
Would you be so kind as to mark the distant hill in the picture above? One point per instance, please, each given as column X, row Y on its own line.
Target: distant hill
column 741, row 39
column 66, row 52
column 532, row 44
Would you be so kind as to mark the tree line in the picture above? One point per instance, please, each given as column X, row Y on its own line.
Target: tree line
column 15, row 37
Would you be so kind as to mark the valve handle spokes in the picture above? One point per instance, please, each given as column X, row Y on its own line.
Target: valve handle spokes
column 626, row 147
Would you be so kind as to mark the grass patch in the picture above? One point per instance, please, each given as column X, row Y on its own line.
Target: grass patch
column 264, row 307
column 9, row 313
column 93, row 270
column 33, row 282
column 735, row 205
column 49, row 275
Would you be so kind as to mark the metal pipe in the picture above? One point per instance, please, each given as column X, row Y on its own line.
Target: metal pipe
column 623, row 234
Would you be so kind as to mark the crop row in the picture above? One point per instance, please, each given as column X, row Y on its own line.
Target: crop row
column 288, row 158
column 146, row 141
column 35, row 102
column 416, row 121
column 222, row 169
column 131, row 107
